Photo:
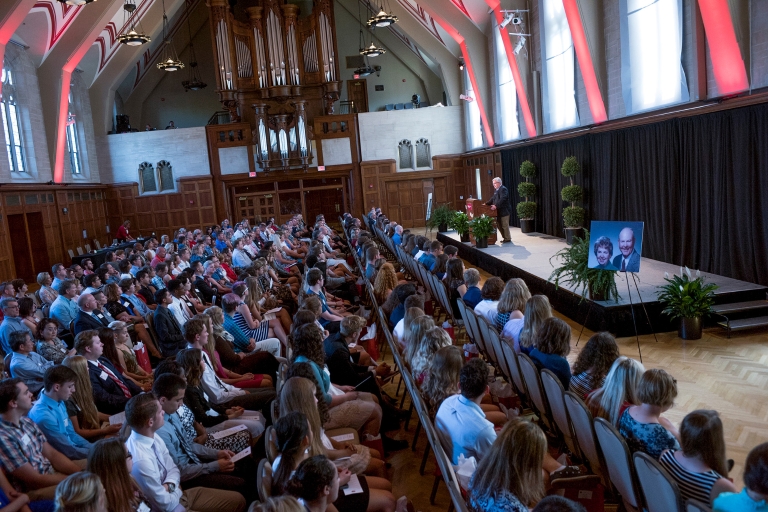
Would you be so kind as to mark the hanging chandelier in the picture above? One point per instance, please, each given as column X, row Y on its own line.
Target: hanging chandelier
column 193, row 83
column 383, row 18
column 373, row 50
column 169, row 59
column 135, row 36
column 76, row 2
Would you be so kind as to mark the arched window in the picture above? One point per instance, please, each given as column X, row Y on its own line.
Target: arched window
column 11, row 123
column 405, row 153
column 147, row 178
column 422, row 154
column 165, row 172
column 73, row 145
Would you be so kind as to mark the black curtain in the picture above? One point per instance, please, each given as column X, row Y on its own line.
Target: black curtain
column 699, row 183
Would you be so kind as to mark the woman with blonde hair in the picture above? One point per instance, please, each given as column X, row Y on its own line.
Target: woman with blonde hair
column 512, row 302
column 385, row 283
column 618, row 392
column 414, row 331
column 126, row 357
column 81, row 409
column 537, row 309
column 432, row 341
column 80, row 492
column 509, row 477
column 259, row 301
column 284, row 503
column 47, row 293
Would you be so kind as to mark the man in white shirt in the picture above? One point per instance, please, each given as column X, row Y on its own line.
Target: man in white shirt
column 157, row 475
column 177, row 307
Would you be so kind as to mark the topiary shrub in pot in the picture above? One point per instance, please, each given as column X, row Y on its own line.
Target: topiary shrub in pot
column 482, row 227
column 460, row 223
column 573, row 215
column 526, row 210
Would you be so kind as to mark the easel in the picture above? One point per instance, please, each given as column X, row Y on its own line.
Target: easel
column 635, row 279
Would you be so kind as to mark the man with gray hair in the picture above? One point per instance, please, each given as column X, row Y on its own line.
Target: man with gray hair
column 500, row 203
column 11, row 323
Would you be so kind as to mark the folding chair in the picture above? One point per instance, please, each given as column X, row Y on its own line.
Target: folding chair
column 618, row 464
column 659, row 489
column 553, row 389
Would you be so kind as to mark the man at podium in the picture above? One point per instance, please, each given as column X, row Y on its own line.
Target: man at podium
column 500, row 203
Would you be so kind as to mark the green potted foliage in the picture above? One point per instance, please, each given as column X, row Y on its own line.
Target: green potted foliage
column 440, row 218
column 573, row 215
column 526, row 210
column 460, row 222
column 573, row 270
column 482, row 227
column 688, row 299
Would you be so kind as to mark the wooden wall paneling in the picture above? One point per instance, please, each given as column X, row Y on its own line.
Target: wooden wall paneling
column 6, row 259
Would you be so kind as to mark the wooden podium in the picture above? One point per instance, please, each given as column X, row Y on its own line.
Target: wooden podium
column 478, row 207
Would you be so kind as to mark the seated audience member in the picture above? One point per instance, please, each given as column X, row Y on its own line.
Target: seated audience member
column 454, row 277
column 125, row 356
column 593, row 364
column 537, row 310
column 371, row 255
column 472, row 296
column 414, row 307
column 316, row 483
column 512, row 303
column 112, row 463
column 700, row 467
column 12, row 322
column 509, row 478
column 101, row 300
column 441, row 266
column 329, row 317
column 59, row 275
column 401, row 293
column 81, row 492
column 26, row 364
column 555, row 503
column 110, row 353
column 169, row 335
column 432, row 341
column 242, row 342
column 385, row 283
column 754, row 496
column 81, row 409
column 145, row 290
column 253, row 327
column 120, row 309
column 88, row 318
column 50, row 413
column 48, row 344
column 412, row 337
column 490, row 295
column 198, row 465
column 258, row 362
column 341, row 361
column 154, row 470
column 27, row 309
column 618, row 392
column 178, row 307
column 34, row 466
column 551, row 345
column 111, row 391
column 64, row 309
column 460, row 422
column 643, row 426
column 220, row 393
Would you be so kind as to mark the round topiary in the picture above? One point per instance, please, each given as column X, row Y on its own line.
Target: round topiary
column 572, row 193
column 526, row 210
column 573, row 216
column 527, row 169
column 570, row 167
column 526, row 189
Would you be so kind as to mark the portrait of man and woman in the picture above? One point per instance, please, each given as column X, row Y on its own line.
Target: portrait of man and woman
column 623, row 237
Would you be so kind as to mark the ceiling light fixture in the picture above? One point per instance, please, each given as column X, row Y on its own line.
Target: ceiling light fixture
column 193, row 83
column 373, row 51
column 76, row 2
column 383, row 18
column 169, row 59
column 134, row 36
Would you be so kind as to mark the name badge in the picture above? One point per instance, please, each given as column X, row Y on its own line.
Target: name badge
column 143, row 507
column 100, row 316
column 63, row 350
column 26, row 440
column 66, row 422
column 103, row 375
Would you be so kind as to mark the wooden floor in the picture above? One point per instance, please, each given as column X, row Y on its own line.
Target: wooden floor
column 727, row 375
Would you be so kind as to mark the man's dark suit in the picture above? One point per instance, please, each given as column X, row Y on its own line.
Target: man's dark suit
column 171, row 339
column 107, row 395
column 633, row 262
column 85, row 321
column 500, row 200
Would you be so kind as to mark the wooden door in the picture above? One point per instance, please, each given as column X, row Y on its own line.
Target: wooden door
column 37, row 242
column 17, row 229
column 249, row 206
column 327, row 201
column 357, row 91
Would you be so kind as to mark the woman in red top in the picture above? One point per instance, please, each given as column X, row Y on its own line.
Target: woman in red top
column 122, row 232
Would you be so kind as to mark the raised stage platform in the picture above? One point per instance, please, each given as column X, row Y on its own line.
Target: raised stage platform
column 528, row 257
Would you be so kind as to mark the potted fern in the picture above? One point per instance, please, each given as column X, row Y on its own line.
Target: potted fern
column 482, row 227
column 460, row 223
column 573, row 215
column 440, row 218
column 574, row 270
column 526, row 209
column 688, row 299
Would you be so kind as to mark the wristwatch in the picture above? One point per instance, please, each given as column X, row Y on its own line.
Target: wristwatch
column 171, row 487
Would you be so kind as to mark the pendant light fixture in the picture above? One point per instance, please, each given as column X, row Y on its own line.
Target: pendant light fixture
column 384, row 17
column 135, row 35
column 373, row 50
column 193, row 83
column 76, row 2
column 169, row 59
column 365, row 51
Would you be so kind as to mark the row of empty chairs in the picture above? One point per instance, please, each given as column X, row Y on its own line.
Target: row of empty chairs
column 636, row 480
column 399, row 106
column 88, row 249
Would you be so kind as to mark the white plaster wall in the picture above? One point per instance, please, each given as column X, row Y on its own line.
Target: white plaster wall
column 380, row 132
column 234, row 160
column 185, row 148
column 336, row 152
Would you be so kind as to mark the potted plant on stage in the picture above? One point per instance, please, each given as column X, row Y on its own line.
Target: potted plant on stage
column 574, row 270
column 440, row 218
column 526, row 210
column 573, row 215
column 460, row 222
column 482, row 227
column 688, row 299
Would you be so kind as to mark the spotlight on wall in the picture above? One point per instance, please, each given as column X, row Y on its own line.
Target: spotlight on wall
column 461, row 64
column 519, row 46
